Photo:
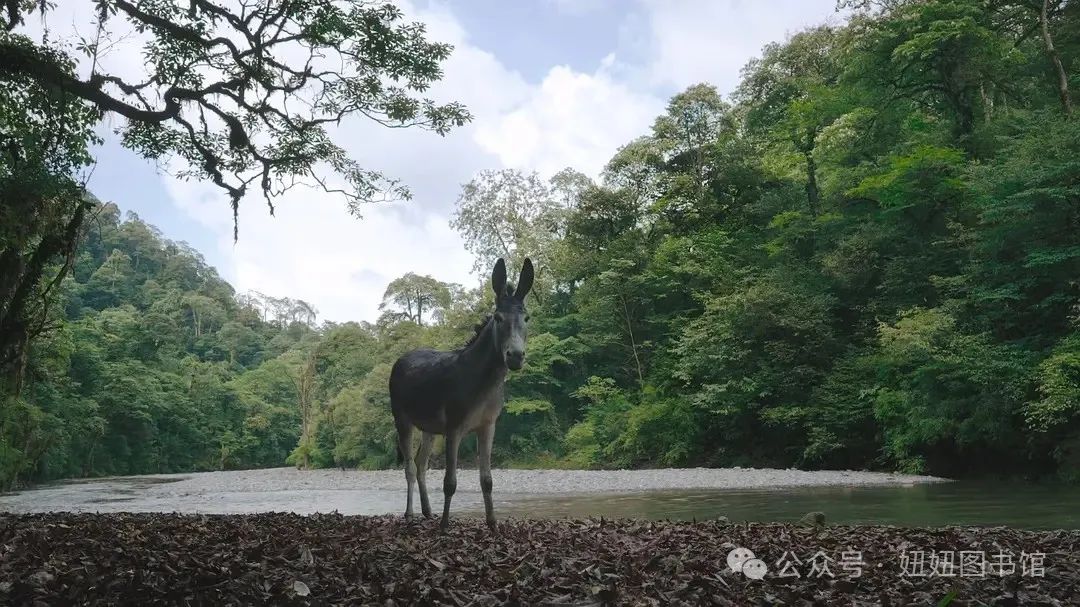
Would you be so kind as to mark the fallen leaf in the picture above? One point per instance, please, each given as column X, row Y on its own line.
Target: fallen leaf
column 301, row 588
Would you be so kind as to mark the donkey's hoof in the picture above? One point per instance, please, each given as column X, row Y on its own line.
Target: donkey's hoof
column 493, row 527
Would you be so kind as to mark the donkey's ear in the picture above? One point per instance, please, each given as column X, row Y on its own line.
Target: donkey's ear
column 525, row 281
column 498, row 278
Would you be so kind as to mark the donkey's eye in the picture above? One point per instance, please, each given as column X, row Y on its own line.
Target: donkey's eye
column 498, row 317
column 526, row 318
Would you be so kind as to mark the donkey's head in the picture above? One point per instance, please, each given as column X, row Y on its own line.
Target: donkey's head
column 510, row 316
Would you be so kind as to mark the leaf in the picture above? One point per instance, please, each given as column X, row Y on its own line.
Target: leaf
column 301, row 588
column 306, row 557
column 521, row 406
column 947, row 599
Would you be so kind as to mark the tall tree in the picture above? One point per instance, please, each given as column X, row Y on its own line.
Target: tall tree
column 414, row 295
column 304, row 379
column 512, row 215
column 44, row 143
column 1045, row 9
column 791, row 91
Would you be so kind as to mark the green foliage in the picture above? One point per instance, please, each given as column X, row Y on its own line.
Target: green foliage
column 413, row 295
column 948, row 401
column 1058, row 382
column 367, row 435
column 868, row 260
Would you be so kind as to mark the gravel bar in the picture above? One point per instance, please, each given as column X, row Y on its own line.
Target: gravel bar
column 532, row 481
column 383, row 491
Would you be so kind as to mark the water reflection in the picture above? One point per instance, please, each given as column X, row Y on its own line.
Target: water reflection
column 961, row 503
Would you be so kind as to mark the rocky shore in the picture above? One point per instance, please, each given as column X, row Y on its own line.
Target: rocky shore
column 376, row 492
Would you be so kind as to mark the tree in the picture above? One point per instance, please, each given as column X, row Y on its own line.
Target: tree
column 205, row 313
column 220, row 81
column 110, row 284
column 44, row 140
column 938, row 54
column 614, row 307
column 1052, row 53
column 366, row 435
column 236, row 337
column 346, row 352
column 567, row 186
column 511, row 215
column 304, row 380
column 694, row 120
column 791, row 92
column 414, row 295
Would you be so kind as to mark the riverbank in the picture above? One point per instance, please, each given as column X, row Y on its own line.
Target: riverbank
column 382, row 491
column 333, row 559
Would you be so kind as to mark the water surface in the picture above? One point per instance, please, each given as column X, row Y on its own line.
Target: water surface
column 1019, row 505
column 526, row 494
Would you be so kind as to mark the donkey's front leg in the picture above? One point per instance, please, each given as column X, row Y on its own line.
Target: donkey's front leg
column 484, row 437
column 453, row 439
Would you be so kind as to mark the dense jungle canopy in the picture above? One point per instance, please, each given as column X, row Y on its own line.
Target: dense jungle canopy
column 868, row 256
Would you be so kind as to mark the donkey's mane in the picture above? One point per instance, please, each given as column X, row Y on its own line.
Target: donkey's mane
column 479, row 328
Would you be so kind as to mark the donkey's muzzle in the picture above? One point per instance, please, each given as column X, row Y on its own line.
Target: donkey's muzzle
column 515, row 360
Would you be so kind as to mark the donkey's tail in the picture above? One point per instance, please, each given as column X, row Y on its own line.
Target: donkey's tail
column 399, row 458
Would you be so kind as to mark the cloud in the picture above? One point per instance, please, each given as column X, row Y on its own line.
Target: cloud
column 691, row 42
column 577, row 8
column 580, row 119
column 311, row 249
column 570, row 119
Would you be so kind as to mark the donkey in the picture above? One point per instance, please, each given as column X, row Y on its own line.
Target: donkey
column 454, row 393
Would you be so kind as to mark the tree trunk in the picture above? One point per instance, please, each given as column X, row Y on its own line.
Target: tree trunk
column 633, row 342
column 22, row 314
column 988, row 103
column 1062, row 77
column 699, row 165
column 305, row 393
column 813, row 195
column 419, row 309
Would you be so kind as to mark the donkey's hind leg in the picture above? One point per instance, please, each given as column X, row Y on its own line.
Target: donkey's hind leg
column 404, row 434
column 423, row 457
column 453, row 439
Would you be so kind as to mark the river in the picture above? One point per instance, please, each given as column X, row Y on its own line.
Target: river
column 739, row 494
